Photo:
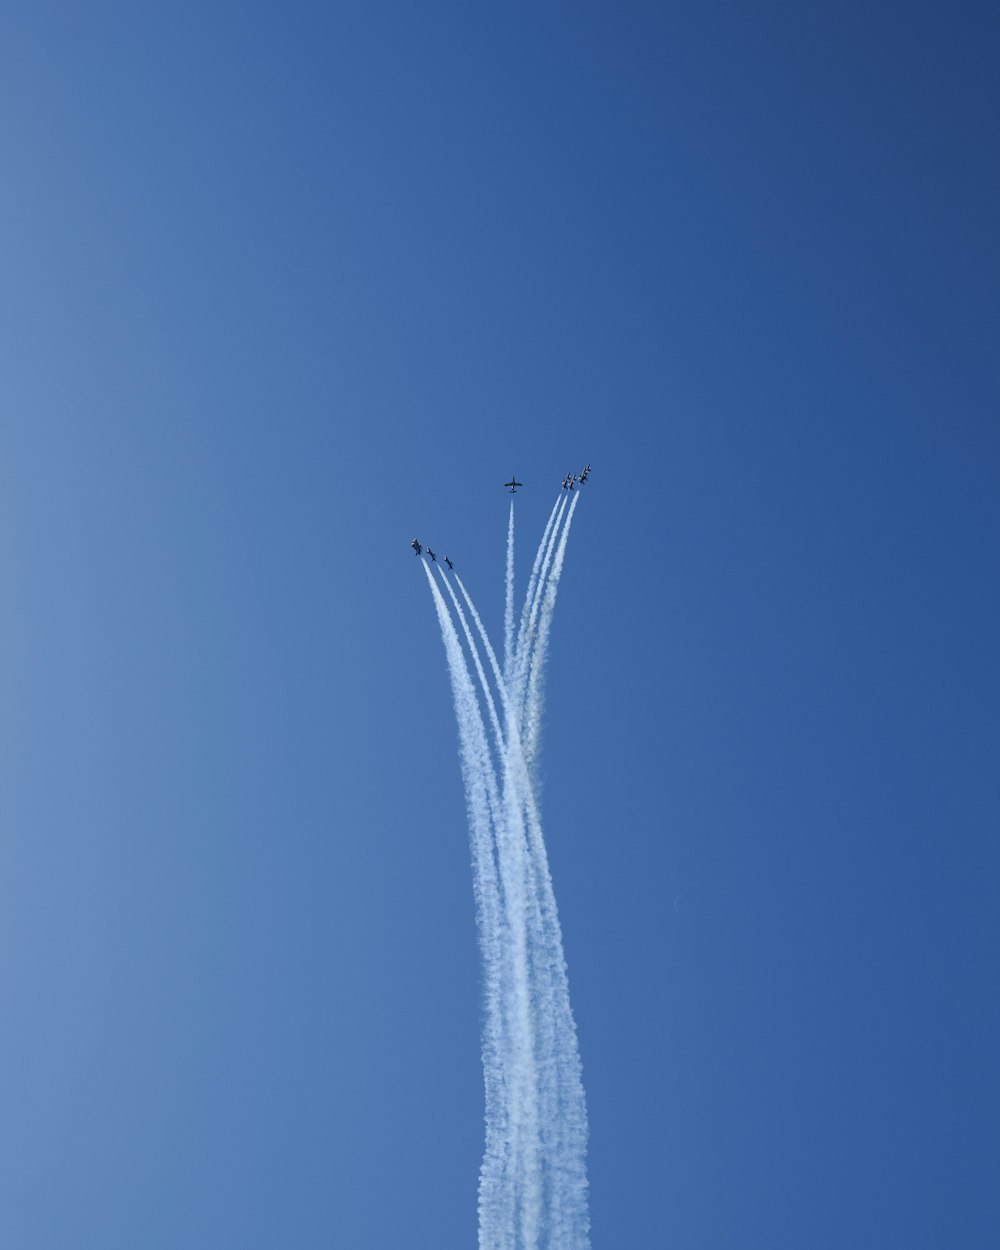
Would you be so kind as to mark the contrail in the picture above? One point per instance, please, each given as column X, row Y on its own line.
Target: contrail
column 535, row 924
column 508, row 603
column 521, row 1199
column 533, row 1184
column 474, row 652
column 523, row 923
column 487, row 645
column 534, row 699
column 496, row 1206
column 563, row 1099
column 542, row 548
column 563, row 1106
column 535, row 583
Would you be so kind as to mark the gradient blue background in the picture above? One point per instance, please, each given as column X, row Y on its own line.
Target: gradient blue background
column 282, row 286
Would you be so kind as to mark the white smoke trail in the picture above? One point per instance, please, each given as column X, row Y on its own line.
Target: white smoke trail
column 524, row 920
column 496, row 1205
column 563, row 1107
column 524, row 1199
column 484, row 684
column 536, row 567
column 529, row 609
column 540, row 916
column 508, row 603
column 532, row 721
column 487, row 645
column 533, row 1185
column 561, row 1086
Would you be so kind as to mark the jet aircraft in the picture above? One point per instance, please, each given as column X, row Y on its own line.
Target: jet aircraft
column 431, row 554
column 568, row 481
column 448, row 562
column 513, row 484
column 416, row 547
column 583, row 475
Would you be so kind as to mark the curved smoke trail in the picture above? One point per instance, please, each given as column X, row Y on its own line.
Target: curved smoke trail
column 532, row 721
column 533, row 1183
column 561, row 1088
column 495, row 1194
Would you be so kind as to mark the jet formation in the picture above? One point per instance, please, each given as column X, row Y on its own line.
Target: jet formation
column 571, row 479
column 419, row 549
column 568, row 483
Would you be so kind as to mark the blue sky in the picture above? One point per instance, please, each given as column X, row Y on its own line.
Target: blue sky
column 281, row 287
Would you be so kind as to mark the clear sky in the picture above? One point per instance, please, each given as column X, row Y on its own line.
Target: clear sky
column 282, row 286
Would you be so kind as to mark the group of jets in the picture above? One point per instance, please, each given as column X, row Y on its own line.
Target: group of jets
column 568, row 482
column 419, row 550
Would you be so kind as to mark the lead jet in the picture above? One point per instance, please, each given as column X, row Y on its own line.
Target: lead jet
column 448, row 562
column 513, row 484
column 416, row 547
column 431, row 554
column 583, row 475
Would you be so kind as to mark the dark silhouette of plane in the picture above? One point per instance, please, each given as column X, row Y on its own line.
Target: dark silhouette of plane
column 448, row 562
column 416, row 547
column 513, row 484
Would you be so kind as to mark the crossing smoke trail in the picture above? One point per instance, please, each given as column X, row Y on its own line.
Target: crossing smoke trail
column 495, row 1190
column 533, row 1183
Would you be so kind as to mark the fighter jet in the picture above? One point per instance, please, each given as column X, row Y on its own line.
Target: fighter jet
column 513, row 484
column 448, row 562
column 416, row 547
column 583, row 475
column 568, row 481
column 431, row 554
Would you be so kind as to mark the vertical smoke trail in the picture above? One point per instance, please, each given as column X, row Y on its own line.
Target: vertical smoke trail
column 537, row 579
column 524, row 643
column 526, row 925
column 533, row 1185
column 533, row 703
column 522, row 1112
column 533, row 579
column 496, row 1205
column 537, row 922
column 484, row 639
column 563, row 1106
column 508, row 604
column 563, row 1101
column 477, row 662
